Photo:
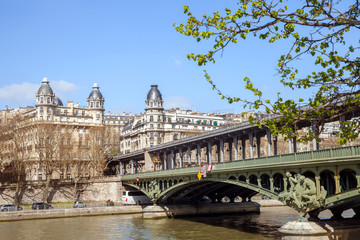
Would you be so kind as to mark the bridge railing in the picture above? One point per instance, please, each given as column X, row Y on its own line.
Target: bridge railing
column 326, row 154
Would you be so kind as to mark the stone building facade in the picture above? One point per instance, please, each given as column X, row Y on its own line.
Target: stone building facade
column 158, row 125
column 71, row 140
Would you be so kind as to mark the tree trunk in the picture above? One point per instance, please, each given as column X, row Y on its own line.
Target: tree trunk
column 17, row 190
column 48, row 178
column 76, row 180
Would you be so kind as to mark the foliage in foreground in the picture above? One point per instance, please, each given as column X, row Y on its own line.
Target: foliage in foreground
column 319, row 30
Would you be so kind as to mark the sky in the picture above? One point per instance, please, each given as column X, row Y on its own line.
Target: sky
column 124, row 46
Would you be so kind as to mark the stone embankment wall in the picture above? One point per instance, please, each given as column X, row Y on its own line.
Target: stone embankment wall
column 100, row 189
column 69, row 212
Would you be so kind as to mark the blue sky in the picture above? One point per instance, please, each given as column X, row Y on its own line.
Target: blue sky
column 124, row 46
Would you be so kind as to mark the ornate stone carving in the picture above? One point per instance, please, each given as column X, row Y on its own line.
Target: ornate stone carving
column 154, row 189
column 302, row 195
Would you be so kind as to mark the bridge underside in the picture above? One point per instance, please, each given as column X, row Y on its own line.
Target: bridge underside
column 206, row 192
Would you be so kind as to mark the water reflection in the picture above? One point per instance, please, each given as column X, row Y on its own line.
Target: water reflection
column 246, row 226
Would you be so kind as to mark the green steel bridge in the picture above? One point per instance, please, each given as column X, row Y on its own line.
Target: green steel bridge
column 309, row 182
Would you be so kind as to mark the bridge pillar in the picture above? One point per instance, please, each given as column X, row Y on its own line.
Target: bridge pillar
column 268, row 135
column 275, row 145
column 198, row 154
column 221, row 151
column 180, row 158
column 158, row 164
column 189, row 155
column 258, row 146
column 243, row 146
column 209, row 157
column 314, row 128
column 230, row 151
column 235, row 141
column 172, row 159
column 290, row 144
column 165, row 162
column 251, row 143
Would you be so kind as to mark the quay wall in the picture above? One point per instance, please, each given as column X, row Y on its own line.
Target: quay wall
column 100, row 189
column 69, row 212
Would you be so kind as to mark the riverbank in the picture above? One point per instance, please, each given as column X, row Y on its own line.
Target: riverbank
column 69, row 212
column 171, row 210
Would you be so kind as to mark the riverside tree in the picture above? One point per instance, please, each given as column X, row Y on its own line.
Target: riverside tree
column 324, row 31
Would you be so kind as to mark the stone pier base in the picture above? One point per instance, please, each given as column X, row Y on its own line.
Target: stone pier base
column 190, row 210
column 306, row 228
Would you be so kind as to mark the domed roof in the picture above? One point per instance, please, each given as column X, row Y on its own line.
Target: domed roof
column 95, row 93
column 154, row 94
column 57, row 101
column 45, row 88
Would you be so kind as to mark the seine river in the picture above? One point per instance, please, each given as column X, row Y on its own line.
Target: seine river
column 226, row 227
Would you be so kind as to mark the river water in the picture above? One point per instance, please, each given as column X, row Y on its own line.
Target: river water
column 253, row 226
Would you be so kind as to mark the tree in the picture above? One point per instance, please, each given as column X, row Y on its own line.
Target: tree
column 319, row 30
column 48, row 138
column 15, row 154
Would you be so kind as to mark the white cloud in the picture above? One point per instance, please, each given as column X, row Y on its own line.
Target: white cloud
column 177, row 62
column 177, row 102
column 24, row 93
column 63, row 86
column 19, row 93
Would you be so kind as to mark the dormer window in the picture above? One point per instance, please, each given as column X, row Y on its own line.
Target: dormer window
column 91, row 104
column 48, row 100
column 41, row 100
column 97, row 104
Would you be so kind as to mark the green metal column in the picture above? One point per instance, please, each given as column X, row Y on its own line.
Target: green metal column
column 271, row 184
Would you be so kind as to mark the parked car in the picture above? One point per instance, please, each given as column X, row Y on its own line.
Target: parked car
column 9, row 207
column 41, row 205
column 79, row 204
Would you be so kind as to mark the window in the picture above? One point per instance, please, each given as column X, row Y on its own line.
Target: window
column 159, row 119
column 151, row 104
column 48, row 110
column 151, row 125
column 40, row 177
column 173, row 126
column 158, row 125
column 91, row 104
column 41, row 100
column 76, row 112
column 83, row 113
column 151, row 118
column 58, row 112
column 97, row 104
column 48, row 100
column 48, row 118
column 41, row 110
column 68, row 176
column 151, row 134
column 65, row 112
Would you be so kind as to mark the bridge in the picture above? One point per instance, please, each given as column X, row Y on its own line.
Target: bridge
column 309, row 182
